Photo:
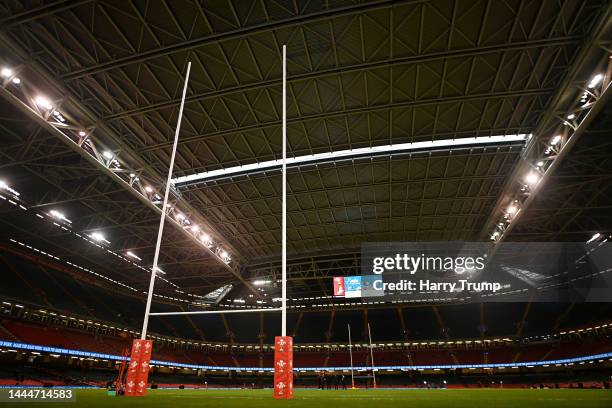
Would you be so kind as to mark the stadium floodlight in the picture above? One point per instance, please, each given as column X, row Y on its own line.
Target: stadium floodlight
column 555, row 140
column 5, row 186
column 98, row 237
column 225, row 256
column 571, row 116
column 43, row 102
column 148, row 189
column 400, row 148
column 206, row 239
column 6, row 72
column 133, row 255
column 261, row 282
column 108, row 154
column 82, row 133
column 195, row 228
column 512, row 209
column 532, row 178
column 540, row 163
column 595, row 81
column 594, row 237
column 16, row 81
column 180, row 217
column 59, row 216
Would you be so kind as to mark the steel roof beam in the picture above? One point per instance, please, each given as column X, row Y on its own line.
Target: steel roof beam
column 470, row 52
column 559, row 104
column 228, row 35
column 127, row 154
column 32, row 114
column 359, row 110
column 39, row 12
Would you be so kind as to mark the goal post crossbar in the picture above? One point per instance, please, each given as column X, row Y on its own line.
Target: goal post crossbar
column 195, row 312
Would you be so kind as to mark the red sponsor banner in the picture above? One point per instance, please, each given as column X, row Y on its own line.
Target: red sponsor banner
column 138, row 369
column 339, row 286
column 283, row 367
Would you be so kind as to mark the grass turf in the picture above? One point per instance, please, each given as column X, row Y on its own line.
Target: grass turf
column 514, row 398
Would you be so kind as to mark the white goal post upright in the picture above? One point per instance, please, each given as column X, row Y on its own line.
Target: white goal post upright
column 351, row 356
column 162, row 219
column 283, row 344
column 372, row 357
column 284, row 198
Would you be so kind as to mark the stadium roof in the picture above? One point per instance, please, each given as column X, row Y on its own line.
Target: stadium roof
column 361, row 75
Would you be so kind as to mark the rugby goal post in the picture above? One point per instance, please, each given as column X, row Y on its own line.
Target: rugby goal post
column 138, row 369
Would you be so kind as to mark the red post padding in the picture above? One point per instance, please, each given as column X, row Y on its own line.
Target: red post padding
column 283, row 367
column 138, row 370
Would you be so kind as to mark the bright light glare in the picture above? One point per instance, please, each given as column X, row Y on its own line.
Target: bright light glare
column 158, row 270
column 555, row 140
column 59, row 216
column 180, row 217
column 205, row 238
column 512, row 209
column 532, row 178
column 540, row 163
column 594, row 237
column 108, row 154
column 571, row 116
column 148, row 189
column 261, row 282
column 4, row 186
column 82, row 133
column 595, row 81
column 7, row 72
column 133, row 255
column 56, row 214
column 16, row 81
column 98, row 236
column 43, row 102
column 195, row 228
column 345, row 154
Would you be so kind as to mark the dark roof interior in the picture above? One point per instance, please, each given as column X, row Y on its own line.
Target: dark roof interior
column 360, row 74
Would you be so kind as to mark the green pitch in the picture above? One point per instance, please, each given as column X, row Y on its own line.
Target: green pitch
column 486, row 398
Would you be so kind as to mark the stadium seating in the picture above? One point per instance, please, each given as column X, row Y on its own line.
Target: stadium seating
column 80, row 340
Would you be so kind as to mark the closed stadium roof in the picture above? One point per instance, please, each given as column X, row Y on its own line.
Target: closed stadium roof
column 361, row 75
